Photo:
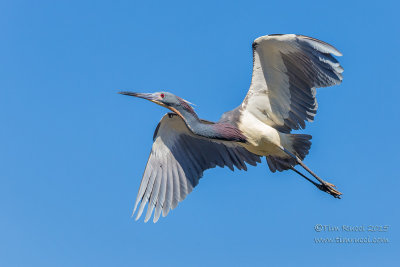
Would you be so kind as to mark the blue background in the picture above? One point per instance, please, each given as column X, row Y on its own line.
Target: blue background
column 72, row 151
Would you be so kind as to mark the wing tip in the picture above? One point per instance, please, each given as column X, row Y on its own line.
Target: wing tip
column 333, row 50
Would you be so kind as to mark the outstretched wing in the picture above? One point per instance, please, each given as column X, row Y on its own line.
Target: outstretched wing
column 177, row 161
column 286, row 70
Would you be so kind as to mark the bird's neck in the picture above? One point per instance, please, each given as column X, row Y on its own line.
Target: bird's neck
column 188, row 115
column 209, row 130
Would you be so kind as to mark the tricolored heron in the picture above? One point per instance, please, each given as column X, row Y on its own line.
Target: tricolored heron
column 287, row 69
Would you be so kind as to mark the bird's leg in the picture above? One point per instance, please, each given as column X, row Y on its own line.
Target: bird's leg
column 319, row 186
column 305, row 177
column 324, row 186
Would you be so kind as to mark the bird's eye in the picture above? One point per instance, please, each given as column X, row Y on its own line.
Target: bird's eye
column 162, row 95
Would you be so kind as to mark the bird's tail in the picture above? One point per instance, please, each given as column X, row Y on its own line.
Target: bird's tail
column 299, row 144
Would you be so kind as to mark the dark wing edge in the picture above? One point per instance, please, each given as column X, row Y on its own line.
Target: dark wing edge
column 177, row 162
column 313, row 66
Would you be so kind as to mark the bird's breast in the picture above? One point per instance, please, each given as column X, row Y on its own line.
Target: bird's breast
column 262, row 139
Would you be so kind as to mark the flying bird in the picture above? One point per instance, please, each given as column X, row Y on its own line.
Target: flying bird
column 287, row 69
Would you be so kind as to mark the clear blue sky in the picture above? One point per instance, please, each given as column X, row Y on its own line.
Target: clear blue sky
column 72, row 151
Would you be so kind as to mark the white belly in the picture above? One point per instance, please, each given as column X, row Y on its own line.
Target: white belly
column 263, row 139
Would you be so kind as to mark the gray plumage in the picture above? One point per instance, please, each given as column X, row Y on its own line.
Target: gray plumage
column 176, row 163
column 287, row 69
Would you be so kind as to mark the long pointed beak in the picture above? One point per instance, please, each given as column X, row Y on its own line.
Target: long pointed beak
column 150, row 97
column 153, row 98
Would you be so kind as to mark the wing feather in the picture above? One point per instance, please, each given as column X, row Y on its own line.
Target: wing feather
column 287, row 69
column 170, row 188
column 176, row 163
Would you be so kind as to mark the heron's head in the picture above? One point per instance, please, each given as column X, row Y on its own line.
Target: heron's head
column 165, row 99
